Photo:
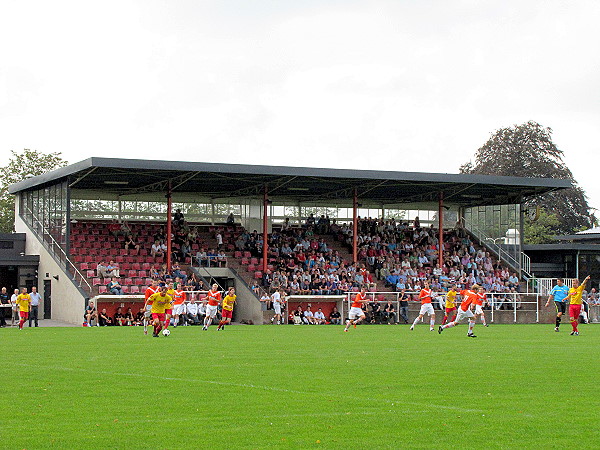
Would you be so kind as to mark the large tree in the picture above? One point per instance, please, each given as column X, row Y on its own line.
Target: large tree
column 20, row 166
column 527, row 150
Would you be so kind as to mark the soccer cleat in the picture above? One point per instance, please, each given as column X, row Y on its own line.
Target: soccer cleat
column 556, row 329
column 486, row 325
column 440, row 329
column 155, row 335
column 412, row 328
column 471, row 335
column 345, row 330
column 431, row 329
column 354, row 325
column 572, row 333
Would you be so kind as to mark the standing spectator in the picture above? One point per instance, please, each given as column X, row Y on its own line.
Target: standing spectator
column 35, row 305
column 335, row 318
column 230, row 219
column 15, row 308
column 4, row 300
column 403, row 298
column 91, row 313
column 219, row 238
column 114, row 287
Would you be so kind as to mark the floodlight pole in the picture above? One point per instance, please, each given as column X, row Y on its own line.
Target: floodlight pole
column 441, row 230
column 355, row 227
column 169, row 246
column 265, row 229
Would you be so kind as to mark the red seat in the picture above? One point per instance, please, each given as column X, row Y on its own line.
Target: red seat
column 136, row 266
column 132, row 273
column 251, row 268
column 245, row 261
column 142, row 274
column 258, row 275
column 247, row 254
column 138, row 281
column 127, row 282
column 91, row 273
column 143, row 252
column 238, row 254
column 102, row 289
column 135, row 289
column 84, row 266
column 146, row 266
column 119, row 259
column 96, row 282
column 254, row 261
column 125, row 289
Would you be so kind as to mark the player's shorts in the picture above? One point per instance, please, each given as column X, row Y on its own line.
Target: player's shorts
column 355, row 313
column 561, row 307
column 468, row 314
column 25, row 314
column 178, row 309
column 277, row 308
column 169, row 312
column 449, row 310
column 227, row 314
column 426, row 308
column 159, row 316
column 478, row 309
column 574, row 311
column 211, row 311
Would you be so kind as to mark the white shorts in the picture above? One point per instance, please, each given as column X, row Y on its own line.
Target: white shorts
column 355, row 313
column 178, row 310
column 277, row 308
column 468, row 314
column 211, row 311
column 148, row 312
column 478, row 309
column 426, row 308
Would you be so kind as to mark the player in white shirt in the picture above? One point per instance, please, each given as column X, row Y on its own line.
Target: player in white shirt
column 276, row 301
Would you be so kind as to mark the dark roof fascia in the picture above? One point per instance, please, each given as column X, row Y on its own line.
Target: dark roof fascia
column 25, row 260
column 185, row 166
column 13, row 236
column 560, row 247
column 578, row 237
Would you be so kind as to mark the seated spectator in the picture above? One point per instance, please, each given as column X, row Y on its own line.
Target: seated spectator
column 178, row 218
column 298, row 316
column 185, row 251
column 104, row 319
column 129, row 317
column 191, row 316
column 112, row 269
column 230, row 219
column 320, row 317
column 139, row 317
column 177, row 272
column 102, row 270
column 202, row 310
column 156, row 250
column 201, row 257
column 130, row 243
column 309, row 317
column 91, row 314
column 335, row 318
column 154, row 273
column 389, row 313
column 114, row 287
column 119, row 319
column 222, row 259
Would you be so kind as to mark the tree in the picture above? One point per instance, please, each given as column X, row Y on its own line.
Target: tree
column 541, row 231
column 20, row 166
column 527, row 150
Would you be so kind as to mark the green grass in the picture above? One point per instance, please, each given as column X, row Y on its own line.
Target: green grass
column 300, row 386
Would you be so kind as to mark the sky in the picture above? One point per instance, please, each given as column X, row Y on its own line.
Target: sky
column 385, row 85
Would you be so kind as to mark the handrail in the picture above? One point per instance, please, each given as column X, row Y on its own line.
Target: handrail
column 52, row 251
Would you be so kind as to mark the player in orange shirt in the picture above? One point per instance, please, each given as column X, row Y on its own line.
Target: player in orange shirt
column 426, row 307
column 23, row 301
column 479, row 301
column 575, row 300
column 469, row 296
column 227, row 309
column 356, row 312
column 152, row 289
column 214, row 298
column 179, row 298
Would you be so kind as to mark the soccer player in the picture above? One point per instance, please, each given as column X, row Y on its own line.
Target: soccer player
column 450, row 305
column 559, row 294
column 228, row 302
column 465, row 311
column 23, row 301
column 152, row 289
column 426, row 307
column 574, row 297
column 276, row 302
column 356, row 312
column 214, row 298
column 179, row 298
column 479, row 301
column 169, row 306
column 159, row 301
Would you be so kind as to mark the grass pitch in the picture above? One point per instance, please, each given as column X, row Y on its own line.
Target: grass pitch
column 300, row 386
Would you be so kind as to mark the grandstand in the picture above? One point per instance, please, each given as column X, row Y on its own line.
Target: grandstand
column 82, row 214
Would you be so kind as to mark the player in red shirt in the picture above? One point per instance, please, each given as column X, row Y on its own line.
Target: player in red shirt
column 465, row 311
column 152, row 289
column 356, row 312
column 426, row 307
column 479, row 301
column 179, row 298
column 214, row 299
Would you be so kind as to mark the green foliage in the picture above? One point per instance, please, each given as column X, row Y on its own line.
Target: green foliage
column 26, row 164
column 527, row 150
column 542, row 230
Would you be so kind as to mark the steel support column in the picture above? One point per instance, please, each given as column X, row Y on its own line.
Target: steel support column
column 441, row 230
column 169, row 231
column 355, row 227
column 265, row 230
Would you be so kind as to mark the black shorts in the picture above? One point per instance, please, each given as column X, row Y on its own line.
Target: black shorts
column 561, row 307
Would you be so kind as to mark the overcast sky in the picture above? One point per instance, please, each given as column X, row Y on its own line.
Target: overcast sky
column 395, row 85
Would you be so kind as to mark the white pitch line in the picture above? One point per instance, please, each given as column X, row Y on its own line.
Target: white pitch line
column 245, row 385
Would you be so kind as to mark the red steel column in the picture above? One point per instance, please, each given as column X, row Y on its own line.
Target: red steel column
column 169, row 246
column 355, row 228
column 265, row 229
column 441, row 225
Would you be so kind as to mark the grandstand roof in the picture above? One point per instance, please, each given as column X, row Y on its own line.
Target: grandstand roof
column 222, row 181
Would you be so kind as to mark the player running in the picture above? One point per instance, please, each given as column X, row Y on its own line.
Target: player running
column 450, row 305
column 178, row 305
column 159, row 300
column 169, row 306
column 426, row 307
column 227, row 309
column 575, row 300
column 479, row 301
column 559, row 294
column 465, row 311
column 152, row 289
column 356, row 312
column 23, row 301
column 214, row 298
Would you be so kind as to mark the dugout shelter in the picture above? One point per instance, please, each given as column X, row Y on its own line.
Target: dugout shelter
column 260, row 197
